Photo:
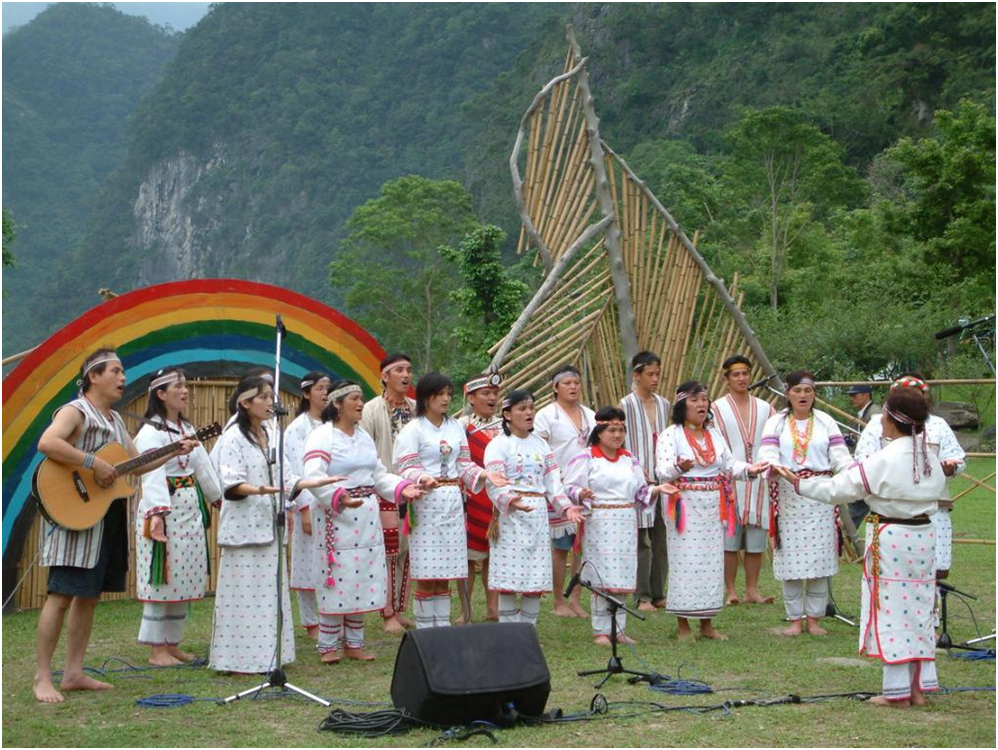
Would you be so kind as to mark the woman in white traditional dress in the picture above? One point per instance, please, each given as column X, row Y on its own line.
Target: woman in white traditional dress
column 610, row 483
column 314, row 387
column 694, row 456
column 244, row 637
column 520, row 537
column 804, row 533
column 432, row 450
column 348, row 542
column 171, row 546
column 902, row 484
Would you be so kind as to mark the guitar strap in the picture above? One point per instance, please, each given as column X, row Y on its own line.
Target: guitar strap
column 161, row 426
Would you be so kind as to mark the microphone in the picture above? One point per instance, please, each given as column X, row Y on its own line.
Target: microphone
column 573, row 583
column 962, row 326
column 762, row 382
column 947, row 588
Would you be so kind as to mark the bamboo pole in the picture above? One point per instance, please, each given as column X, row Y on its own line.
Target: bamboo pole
column 978, row 482
column 19, row 356
column 989, row 542
column 549, row 283
column 514, row 167
column 729, row 303
column 621, row 282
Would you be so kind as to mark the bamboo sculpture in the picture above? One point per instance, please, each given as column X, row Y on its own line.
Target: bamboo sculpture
column 621, row 275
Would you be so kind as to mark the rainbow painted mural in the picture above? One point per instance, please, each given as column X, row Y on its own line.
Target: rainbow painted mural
column 209, row 326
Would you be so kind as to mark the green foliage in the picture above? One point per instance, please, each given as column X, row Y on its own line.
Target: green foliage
column 9, row 234
column 394, row 276
column 71, row 78
column 490, row 300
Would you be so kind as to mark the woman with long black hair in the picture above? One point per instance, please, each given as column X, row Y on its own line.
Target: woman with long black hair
column 171, row 545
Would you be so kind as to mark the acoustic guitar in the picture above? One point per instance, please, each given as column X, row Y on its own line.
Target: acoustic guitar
column 70, row 496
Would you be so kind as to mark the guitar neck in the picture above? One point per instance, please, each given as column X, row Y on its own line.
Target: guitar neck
column 132, row 464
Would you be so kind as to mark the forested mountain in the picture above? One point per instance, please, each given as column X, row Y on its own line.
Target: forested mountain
column 276, row 122
column 70, row 79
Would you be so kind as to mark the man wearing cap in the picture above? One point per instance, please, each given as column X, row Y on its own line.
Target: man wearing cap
column 862, row 401
column 82, row 564
column 384, row 417
column 482, row 424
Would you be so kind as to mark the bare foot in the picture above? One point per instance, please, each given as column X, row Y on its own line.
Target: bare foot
column 164, row 660
column 686, row 636
column 658, row 603
column 406, row 622
column 732, row 599
column 708, row 631
column 313, row 632
column 332, row 657
column 790, row 632
column 602, row 640
column 562, row 610
column 814, row 628
column 84, row 682
column 358, row 653
column 577, row 609
column 754, row 597
column 625, row 639
column 646, row 607
column 879, row 700
column 393, row 626
column 918, row 699
column 45, row 691
column 491, row 617
column 184, row 656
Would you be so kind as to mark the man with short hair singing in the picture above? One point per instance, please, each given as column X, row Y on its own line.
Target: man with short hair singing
column 85, row 563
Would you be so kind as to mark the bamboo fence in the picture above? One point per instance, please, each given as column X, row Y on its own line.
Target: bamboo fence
column 209, row 403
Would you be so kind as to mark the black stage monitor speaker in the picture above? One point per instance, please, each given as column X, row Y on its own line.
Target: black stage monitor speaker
column 453, row 676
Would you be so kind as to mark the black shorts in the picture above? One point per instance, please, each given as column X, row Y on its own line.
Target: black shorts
column 111, row 571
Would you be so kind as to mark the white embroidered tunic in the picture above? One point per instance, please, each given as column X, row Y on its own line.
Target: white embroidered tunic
column 520, row 559
column 347, row 546
column 610, row 533
column 438, row 540
column 695, row 524
column 898, row 592
column 183, row 490
column 553, row 425
column 808, row 536
column 244, row 637
column 302, row 573
column 744, row 438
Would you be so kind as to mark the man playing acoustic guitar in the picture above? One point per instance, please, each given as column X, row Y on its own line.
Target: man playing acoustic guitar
column 84, row 563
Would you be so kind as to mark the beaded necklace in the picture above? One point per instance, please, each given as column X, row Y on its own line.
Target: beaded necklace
column 800, row 442
column 705, row 455
column 183, row 461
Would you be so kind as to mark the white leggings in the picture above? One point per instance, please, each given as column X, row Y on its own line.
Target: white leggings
column 530, row 607
column 334, row 629
column 899, row 679
column 431, row 610
column 805, row 596
column 306, row 609
column 599, row 613
column 162, row 623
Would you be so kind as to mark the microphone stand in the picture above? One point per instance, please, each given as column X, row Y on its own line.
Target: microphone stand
column 944, row 640
column 277, row 678
column 615, row 665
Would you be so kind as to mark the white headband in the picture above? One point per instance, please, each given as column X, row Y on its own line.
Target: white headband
column 400, row 363
column 247, row 394
column 341, row 392
column 562, row 375
column 162, row 380
column 92, row 365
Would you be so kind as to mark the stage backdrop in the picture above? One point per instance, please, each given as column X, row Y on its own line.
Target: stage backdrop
column 214, row 328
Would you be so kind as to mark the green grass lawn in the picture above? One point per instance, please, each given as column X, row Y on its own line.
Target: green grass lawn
column 753, row 664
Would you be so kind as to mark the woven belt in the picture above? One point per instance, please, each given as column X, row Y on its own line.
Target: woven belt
column 447, row 481
column 493, row 531
column 179, row 482
column 609, row 506
column 364, row 491
column 916, row 521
